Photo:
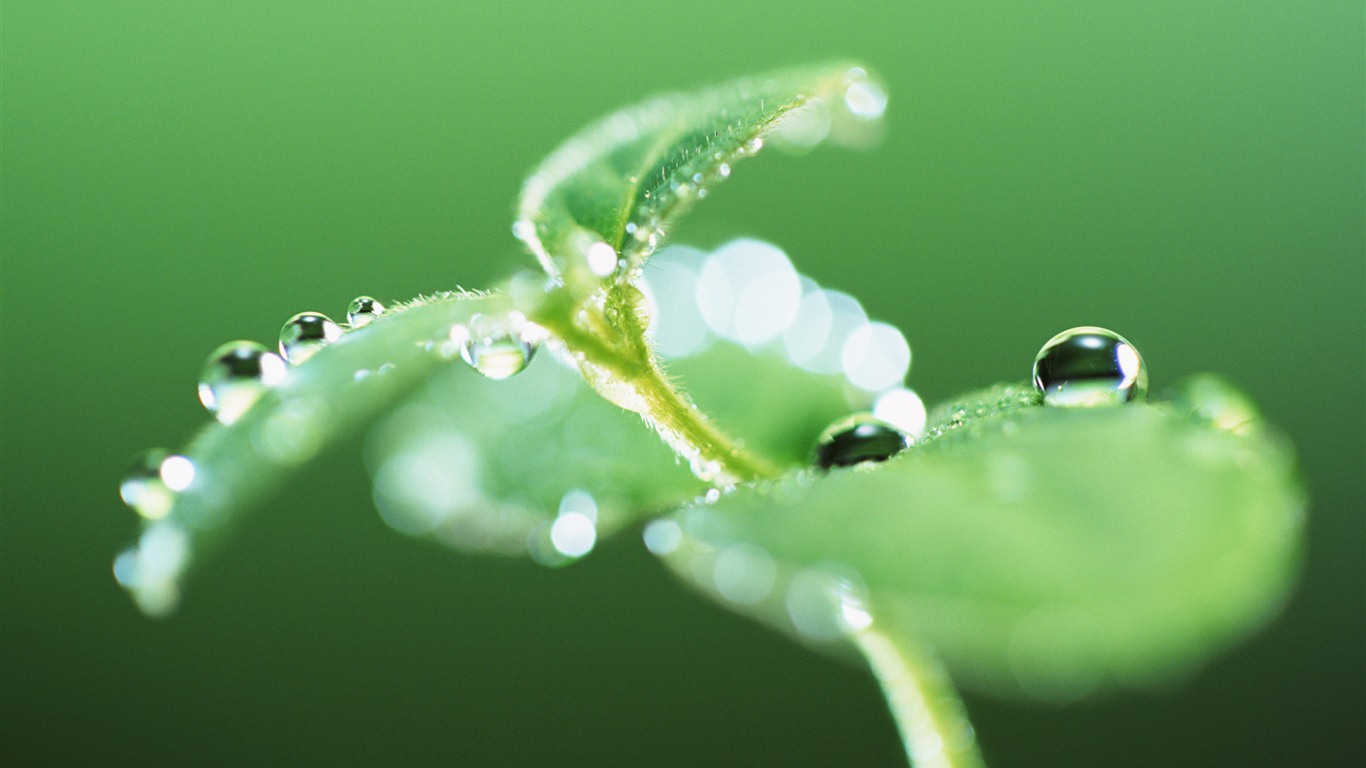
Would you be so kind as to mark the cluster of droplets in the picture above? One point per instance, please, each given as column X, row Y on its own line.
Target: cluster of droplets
column 234, row 378
column 1083, row 367
column 238, row 373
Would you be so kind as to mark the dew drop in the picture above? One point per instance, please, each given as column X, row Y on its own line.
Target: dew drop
column 142, row 488
column 362, row 310
column 236, row 375
column 1089, row 366
column 865, row 99
column 858, row 439
column 496, row 347
column 306, row 333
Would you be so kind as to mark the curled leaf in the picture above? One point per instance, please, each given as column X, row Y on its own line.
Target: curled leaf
column 602, row 202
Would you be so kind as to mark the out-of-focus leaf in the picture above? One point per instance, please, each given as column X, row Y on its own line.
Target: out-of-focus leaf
column 491, row 466
column 340, row 389
column 619, row 183
column 1042, row 551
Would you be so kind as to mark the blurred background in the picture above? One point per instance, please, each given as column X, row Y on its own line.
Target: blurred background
column 178, row 174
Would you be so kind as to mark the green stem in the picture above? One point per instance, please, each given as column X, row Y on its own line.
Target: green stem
column 933, row 723
column 669, row 411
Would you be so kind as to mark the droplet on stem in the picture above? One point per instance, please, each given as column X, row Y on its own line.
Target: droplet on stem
column 1088, row 366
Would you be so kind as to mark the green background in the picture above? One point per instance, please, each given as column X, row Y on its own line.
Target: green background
column 176, row 174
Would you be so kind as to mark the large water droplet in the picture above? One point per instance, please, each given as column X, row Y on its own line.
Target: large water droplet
column 858, row 439
column 1089, row 366
column 236, row 375
column 362, row 310
column 496, row 347
column 306, row 333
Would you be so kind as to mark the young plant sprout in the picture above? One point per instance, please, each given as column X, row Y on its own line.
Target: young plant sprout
column 1044, row 541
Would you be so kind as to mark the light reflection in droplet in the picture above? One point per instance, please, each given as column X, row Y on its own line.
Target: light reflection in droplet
column 177, row 472
column 865, row 99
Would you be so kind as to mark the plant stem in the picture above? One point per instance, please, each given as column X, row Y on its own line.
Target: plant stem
column 669, row 411
column 933, row 723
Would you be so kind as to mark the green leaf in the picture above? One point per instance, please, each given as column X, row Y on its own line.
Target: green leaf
column 1039, row 551
column 621, row 182
column 340, row 389
column 474, row 463
column 484, row 465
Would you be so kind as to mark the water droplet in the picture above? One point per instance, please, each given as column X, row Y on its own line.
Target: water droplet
column 865, row 99
column 496, row 347
column 152, row 569
column 1089, row 366
column 143, row 489
column 236, row 375
column 858, row 439
column 306, row 333
column 362, row 310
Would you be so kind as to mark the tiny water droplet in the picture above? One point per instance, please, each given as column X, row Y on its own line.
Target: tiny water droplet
column 496, row 347
column 1089, row 366
column 858, row 439
column 142, row 488
column 865, row 99
column 362, row 310
column 153, row 480
column 236, row 375
column 306, row 333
